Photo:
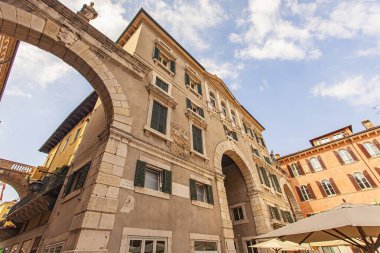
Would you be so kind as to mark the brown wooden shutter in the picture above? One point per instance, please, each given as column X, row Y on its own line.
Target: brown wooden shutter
column 353, row 181
column 321, row 162
column 140, row 173
column 298, row 190
column 336, row 189
column 339, row 158
column 377, row 170
column 193, row 190
column 365, row 152
column 321, row 189
column 210, row 196
column 300, row 167
column 352, row 154
column 369, row 178
column 310, row 166
column 290, row 171
column 311, row 191
column 376, row 143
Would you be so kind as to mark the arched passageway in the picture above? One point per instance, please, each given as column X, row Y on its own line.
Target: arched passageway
column 296, row 211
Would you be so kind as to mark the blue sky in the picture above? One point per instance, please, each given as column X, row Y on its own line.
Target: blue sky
column 302, row 68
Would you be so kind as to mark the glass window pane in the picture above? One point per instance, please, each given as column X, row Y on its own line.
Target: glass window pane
column 148, row 246
column 200, row 192
column 160, row 247
column 152, row 179
column 202, row 246
column 135, row 246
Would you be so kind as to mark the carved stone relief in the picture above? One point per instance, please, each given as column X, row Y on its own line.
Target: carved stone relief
column 181, row 141
column 67, row 35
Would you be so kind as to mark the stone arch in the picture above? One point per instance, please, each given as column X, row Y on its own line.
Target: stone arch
column 17, row 181
column 289, row 195
column 57, row 33
column 229, row 148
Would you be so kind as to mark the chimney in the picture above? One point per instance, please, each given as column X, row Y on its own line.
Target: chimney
column 367, row 124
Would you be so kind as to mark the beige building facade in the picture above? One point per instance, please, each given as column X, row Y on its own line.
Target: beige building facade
column 169, row 160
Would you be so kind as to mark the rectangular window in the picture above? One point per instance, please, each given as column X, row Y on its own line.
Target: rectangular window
column 76, row 179
column 250, row 249
column 205, row 246
column 201, row 192
column 230, row 134
column 25, row 246
column 275, row 183
column 238, row 213
column 255, row 151
column 147, row 245
column 56, row 248
column 265, row 176
column 76, row 135
column 165, row 61
column 274, row 213
column 159, row 116
column 164, row 86
column 194, row 108
column 65, row 144
column 153, row 178
column 197, row 139
column 193, row 84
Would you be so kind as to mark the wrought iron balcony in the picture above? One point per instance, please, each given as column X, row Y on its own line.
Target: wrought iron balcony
column 41, row 200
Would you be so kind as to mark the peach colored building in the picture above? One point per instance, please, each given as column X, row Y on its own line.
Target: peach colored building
column 341, row 166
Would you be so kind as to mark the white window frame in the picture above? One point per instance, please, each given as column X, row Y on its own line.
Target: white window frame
column 328, row 188
column 204, row 237
column 371, row 149
column 194, row 79
column 223, row 110
column 167, row 53
column 52, row 247
column 156, row 75
column 293, row 167
column 362, row 180
column 159, row 177
column 305, row 192
column 245, row 218
column 192, row 151
column 244, row 242
column 345, row 156
column 213, row 100
column 145, row 238
column 316, row 164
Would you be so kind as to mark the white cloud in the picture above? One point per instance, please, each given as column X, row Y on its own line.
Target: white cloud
column 13, row 90
column 188, row 21
column 356, row 90
column 290, row 30
column 110, row 20
column 33, row 65
column 372, row 51
column 264, row 85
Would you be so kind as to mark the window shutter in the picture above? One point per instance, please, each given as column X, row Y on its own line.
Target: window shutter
column 283, row 216
column 290, row 171
column 154, row 122
column 364, row 150
column 199, row 86
column 257, row 138
column 140, row 173
column 376, row 143
column 210, row 196
column 201, row 112
column 265, row 174
column 352, row 154
column 162, row 119
column 262, row 141
column 234, row 135
column 276, row 213
column 321, row 162
column 188, row 103
column 339, row 158
column 167, row 181
column 193, row 190
column 354, row 183
column 300, row 168
column 260, row 176
column 278, row 187
column 289, row 217
column 156, row 53
column 298, row 190
column 225, row 130
column 187, row 79
column 82, row 176
column 172, row 66
column 69, row 184
column 311, row 191
column 310, row 166
column 321, row 189
column 377, row 170
column 369, row 178
column 336, row 189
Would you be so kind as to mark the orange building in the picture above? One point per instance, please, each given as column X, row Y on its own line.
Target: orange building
column 341, row 166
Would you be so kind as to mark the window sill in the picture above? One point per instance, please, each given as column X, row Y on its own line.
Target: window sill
column 71, row 195
column 202, row 204
column 163, row 66
column 245, row 221
column 148, row 131
column 196, row 118
column 278, row 193
column 151, row 192
column 194, row 91
column 231, row 139
column 266, row 187
column 162, row 95
column 196, row 153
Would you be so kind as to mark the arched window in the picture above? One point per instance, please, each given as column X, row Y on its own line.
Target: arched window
column 345, row 156
column 371, row 149
column 233, row 116
column 316, row 164
column 224, row 110
column 362, row 180
column 328, row 187
column 212, row 99
column 305, row 192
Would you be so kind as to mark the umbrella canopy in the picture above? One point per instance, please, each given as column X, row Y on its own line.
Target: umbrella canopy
column 278, row 245
column 349, row 223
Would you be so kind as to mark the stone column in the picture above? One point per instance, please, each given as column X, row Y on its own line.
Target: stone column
column 228, row 233
column 260, row 212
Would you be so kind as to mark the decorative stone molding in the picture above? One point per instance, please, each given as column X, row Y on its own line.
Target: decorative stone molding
column 67, row 35
column 162, row 95
column 88, row 12
column 196, row 118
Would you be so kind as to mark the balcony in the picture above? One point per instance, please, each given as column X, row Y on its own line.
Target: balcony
column 42, row 198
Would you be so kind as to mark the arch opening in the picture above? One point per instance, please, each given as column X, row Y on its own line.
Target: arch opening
column 296, row 211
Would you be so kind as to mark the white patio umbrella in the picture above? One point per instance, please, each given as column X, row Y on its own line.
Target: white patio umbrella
column 357, row 225
column 278, row 245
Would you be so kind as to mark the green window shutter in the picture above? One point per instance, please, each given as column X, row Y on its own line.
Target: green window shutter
column 257, row 138
column 277, row 213
column 69, row 185
column 155, row 116
column 234, row 135
column 265, row 176
column 82, row 174
column 283, row 215
column 210, row 196
column 187, row 79
column 199, row 86
column 188, row 103
column 167, row 181
column 197, row 139
column 278, row 187
column 289, row 217
column 193, row 190
column 172, row 66
column 162, row 84
column 260, row 175
column 162, row 119
column 140, row 173
column 201, row 112
column 262, row 141
column 156, row 53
